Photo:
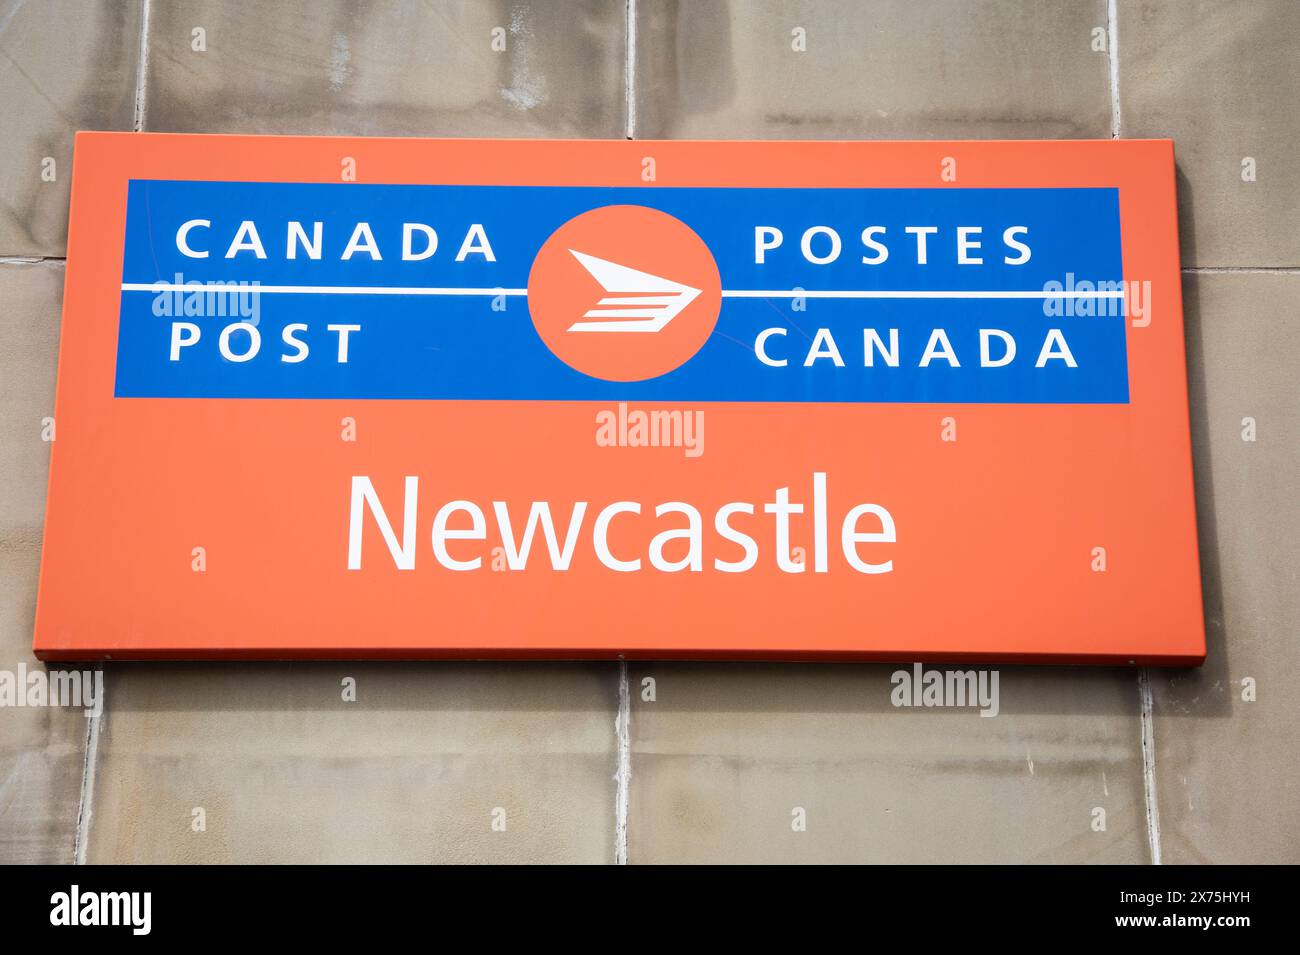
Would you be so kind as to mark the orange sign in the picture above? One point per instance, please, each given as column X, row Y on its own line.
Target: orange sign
column 350, row 398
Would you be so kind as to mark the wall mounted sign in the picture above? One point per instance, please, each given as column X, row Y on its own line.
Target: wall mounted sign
column 418, row 398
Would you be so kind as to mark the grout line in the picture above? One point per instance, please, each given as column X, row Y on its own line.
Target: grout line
column 1112, row 46
column 1243, row 270
column 629, row 67
column 623, row 776
column 32, row 260
column 1149, row 764
column 142, row 70
column 85, row 804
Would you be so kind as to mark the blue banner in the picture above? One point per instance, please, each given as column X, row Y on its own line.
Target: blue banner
column 419, row 292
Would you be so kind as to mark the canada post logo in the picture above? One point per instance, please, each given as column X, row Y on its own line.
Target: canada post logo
column 655, row 303
column 273, row 290
column 617, row 322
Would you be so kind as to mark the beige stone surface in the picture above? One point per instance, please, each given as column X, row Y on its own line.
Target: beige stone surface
column 388, row 69
column 31, row 296
column 728, row 752
column 896, row 69
column 413, row 771
column 1220, row 77
column 65, row 65
column 41, row 749
column 1229, row 770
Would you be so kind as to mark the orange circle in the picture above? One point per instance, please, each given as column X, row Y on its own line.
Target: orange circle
column 624, row 293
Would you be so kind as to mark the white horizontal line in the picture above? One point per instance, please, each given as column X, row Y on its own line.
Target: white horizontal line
column 639, row 300
column 910, row 293
column 623, row 313
column 231, row 287
column 315, row 289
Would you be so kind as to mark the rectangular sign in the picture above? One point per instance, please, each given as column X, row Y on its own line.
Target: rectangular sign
column 417, row 398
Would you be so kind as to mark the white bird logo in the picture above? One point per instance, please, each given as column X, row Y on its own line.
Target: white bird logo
column 641, row 302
